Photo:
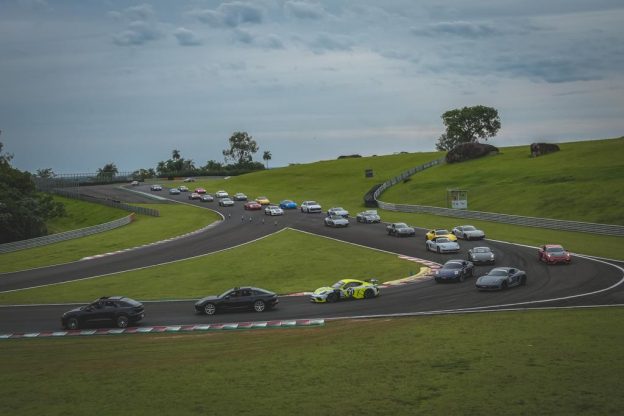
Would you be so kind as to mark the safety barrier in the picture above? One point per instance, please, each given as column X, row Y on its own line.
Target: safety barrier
column 55, row 238
column 579, row 226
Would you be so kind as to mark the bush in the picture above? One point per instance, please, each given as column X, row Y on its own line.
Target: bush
column 467, row 151
column 348, row 156
column 538, row 149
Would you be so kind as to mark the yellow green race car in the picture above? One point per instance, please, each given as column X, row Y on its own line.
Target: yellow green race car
column 346, row 289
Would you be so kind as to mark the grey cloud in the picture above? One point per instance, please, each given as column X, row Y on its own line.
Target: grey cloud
column 458, row 28
column 273, row 42
column 230, row 14
column 303, row 10
column 141, row 12
column 186, row 37
column 138, row 33
column 326, row 42
column 243, row 36
column 554, row 70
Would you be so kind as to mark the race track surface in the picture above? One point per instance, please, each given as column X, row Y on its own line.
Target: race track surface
column 548, row 286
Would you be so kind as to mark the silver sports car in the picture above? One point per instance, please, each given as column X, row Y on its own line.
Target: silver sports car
column 442, row 245
column 481, row 255
column 368, row 217
column 336, row 221
column 501, row 278
column 468, row 232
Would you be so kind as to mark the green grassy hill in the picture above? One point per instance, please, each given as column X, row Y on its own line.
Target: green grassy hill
column 583, row 182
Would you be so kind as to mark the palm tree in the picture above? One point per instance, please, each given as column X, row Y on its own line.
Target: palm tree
column 266, row 156
column 108, row 171
column 175, row 154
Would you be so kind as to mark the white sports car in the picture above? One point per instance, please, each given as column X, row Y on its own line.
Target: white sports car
column 273, row 210
column 442, row 245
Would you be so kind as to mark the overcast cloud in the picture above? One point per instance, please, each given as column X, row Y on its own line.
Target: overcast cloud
column 87, row 83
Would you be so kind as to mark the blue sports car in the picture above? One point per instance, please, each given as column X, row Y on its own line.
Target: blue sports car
column 288, row 204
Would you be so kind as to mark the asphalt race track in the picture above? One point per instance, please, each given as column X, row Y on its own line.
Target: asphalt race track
column 585, row 282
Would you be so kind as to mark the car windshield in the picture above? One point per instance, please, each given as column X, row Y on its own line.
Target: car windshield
column 452, row 265
column 287, row 202
column 469, row 228
column 480, row 250
column 441, row 232
column 336, row 217
column 400, row 225
column 498, row 272
column 442, row 240
column 227, row 292
column 311, row 203
column 338, row 284
column 555, row 249
column 338, row 209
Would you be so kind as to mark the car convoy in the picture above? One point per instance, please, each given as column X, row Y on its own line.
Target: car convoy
column 122, row 311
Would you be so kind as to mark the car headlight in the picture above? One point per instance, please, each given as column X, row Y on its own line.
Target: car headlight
column 456, row 272
column 492, row 256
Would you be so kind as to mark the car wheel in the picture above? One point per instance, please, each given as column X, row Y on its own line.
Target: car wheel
column 523, row 281
column 332, row 297
column 259, row 306
column 72, row 323
column 122, row 321
column 438, row 250
column 369, row 293
column 210, row 309
column 462, row 277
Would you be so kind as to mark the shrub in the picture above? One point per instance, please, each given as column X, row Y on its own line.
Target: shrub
column 538, row 149
column 467, row 151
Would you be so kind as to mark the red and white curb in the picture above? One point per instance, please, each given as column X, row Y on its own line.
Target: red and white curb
column 172, row 328
column 201, row 230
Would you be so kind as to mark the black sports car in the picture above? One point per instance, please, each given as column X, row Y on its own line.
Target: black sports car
column 117, row 310
column 501, row 278
column 456, row 270
column 253, row 298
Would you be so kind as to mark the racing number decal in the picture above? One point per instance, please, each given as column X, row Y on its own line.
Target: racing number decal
column 350, row 292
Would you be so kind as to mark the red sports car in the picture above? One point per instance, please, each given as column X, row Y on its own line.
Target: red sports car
column 200, row 191
column 253, row 205
column 553, row 253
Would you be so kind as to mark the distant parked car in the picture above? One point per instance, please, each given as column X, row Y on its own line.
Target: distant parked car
column 468, row 232
column 400, row 229
column 183, row 188
column 156, row 188
column 174, row 191
column 288, row 204
column 206, row 198
column 456, row 270
column 238, row 298
column 501, row 278
column 226, row 202
column 117, row 310
column 240, row 197
column 442, row 245
column 194, row 195
column 368, row 217
column 336, row 221
column 221, row 194
column 310, row 207
column 553, row 254
column 338, row 211
column 431, row 234
column 481, row 255
column 273, row 210
column 252, row 206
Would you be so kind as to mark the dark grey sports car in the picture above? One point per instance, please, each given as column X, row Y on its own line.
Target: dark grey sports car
column 454, row 270
column 501, row 278
column 252, row 298
column 481, row 255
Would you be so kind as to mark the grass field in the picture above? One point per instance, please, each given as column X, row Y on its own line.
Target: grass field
column 516, row 363
column 282, row 267
column 174, row 220
column 80, row 214
column 582, row 182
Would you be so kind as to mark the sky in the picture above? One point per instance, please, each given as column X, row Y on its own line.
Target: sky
column 88, row 82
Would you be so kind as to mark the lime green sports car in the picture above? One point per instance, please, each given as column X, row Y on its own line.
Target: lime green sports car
column 346, row 289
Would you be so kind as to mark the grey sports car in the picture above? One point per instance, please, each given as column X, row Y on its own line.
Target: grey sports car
column 501, row 278
column 336, row 221
column 454, row 270
column 481, row 255
column 468, row 232
column 368, row 217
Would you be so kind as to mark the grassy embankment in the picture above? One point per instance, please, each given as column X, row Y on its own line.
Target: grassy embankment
column 174, row 220
column 279, row 267
column 537, row 362
column 80, row 214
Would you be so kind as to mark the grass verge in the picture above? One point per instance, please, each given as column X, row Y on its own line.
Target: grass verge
column 82, row 214
column 533, row 362
column 278, row 263
column 174, row 220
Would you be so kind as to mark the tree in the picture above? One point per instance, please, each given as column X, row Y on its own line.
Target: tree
column 242, row 148
column 45, row 173
column 267, row 156
column 175, row 154
column 468, row 124
column 108, row 171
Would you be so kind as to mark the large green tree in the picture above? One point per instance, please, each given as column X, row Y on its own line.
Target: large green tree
column 468, row 124
column 108, row 171
column 242, row 148
column 23, row 211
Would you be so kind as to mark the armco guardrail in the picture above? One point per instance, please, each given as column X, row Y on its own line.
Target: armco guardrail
column 109, row 202
column 585, row 227
column 55, row 238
